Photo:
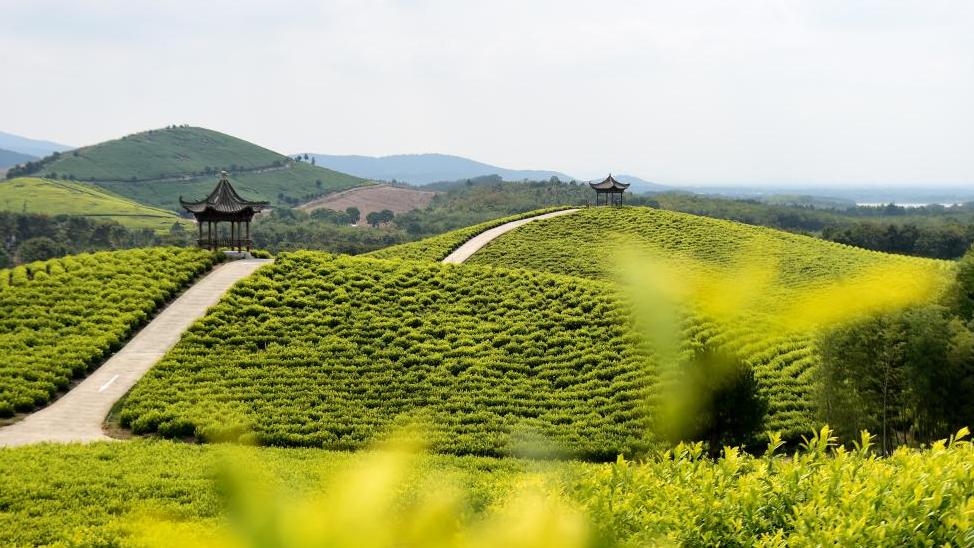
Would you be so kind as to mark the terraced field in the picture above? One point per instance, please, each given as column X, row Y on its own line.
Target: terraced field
column 53, row 197
column 58, row 318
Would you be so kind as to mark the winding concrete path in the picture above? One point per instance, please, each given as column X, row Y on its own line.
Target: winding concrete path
column 79, row 414
column 474, row 244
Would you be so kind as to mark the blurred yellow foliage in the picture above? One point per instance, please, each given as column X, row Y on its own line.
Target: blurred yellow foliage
column 368, row 505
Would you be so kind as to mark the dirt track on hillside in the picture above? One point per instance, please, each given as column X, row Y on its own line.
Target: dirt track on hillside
column 373, row 198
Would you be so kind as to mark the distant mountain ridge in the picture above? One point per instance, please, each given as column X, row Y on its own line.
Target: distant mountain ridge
column 641, row 185
column 30, row 147
column 423, row 169
column 9, row 158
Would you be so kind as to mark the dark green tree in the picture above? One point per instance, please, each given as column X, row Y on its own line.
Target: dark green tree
column 961, row 295
column 374, row 219
column 716, row 400
column 862, row 379
column 906, row 375
column 354, row 215
column 39, row 249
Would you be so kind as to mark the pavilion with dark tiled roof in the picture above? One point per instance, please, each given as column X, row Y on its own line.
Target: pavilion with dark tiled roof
column 224, row 205
column 611, row 189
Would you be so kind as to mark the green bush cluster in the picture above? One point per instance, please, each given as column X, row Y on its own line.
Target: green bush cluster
column 326, row 351
column 60, row 317
column 821, row 495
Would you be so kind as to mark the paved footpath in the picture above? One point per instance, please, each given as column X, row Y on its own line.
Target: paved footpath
column 474, row 244
column 79, row 414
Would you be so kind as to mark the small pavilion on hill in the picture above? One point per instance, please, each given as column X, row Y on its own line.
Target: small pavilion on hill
column 611, row 189
column 224, row 205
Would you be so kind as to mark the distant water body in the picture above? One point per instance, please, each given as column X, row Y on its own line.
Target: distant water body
column 905, row 204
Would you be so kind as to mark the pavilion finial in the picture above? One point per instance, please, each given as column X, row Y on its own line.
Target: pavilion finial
column 224, row 175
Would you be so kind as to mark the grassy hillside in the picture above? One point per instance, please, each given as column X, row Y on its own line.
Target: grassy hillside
column 803, row 280
column 759, row 292
column 53, row 197
column 328, row 351
column 60, row 317
column 155, row 167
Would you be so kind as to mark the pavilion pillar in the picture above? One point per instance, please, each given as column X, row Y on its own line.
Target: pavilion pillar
column 248, row 236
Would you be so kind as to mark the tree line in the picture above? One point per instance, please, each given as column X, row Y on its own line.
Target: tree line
column 25, row 238
column 908, row 375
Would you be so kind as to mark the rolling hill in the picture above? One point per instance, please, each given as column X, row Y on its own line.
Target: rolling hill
column 325, row 351
column 421, row 169
column 30, row 147
column 536, row 335
column 53, row 197
column 156, row 167
column 759, row 292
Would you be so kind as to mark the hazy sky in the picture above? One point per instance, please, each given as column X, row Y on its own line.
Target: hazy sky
column 689, row 91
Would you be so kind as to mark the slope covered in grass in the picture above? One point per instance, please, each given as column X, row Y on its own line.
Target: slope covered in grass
column 764, row 292
column 60, row 317
column 52, row 197
column 612, row 243
column 328, row 351
column 155, row 167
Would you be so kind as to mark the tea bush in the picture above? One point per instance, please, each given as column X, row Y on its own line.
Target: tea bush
column 821, row 495
column 60, row 317
column 326, row 351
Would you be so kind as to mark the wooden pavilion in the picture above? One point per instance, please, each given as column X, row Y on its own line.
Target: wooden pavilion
column 611, row 189
column 224, row 205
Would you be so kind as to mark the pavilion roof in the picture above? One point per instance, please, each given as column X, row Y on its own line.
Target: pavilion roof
column 223, row 199
column 609, row 184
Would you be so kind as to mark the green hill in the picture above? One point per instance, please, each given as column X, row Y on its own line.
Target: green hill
column 759, row 292
column 783, row 271
column 52, row 197
column 155, row 167
column 325, row 351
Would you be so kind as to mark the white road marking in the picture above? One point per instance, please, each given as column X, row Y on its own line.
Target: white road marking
column 107, row 384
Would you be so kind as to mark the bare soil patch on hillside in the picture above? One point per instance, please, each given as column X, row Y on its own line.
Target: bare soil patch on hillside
column 373, row 198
